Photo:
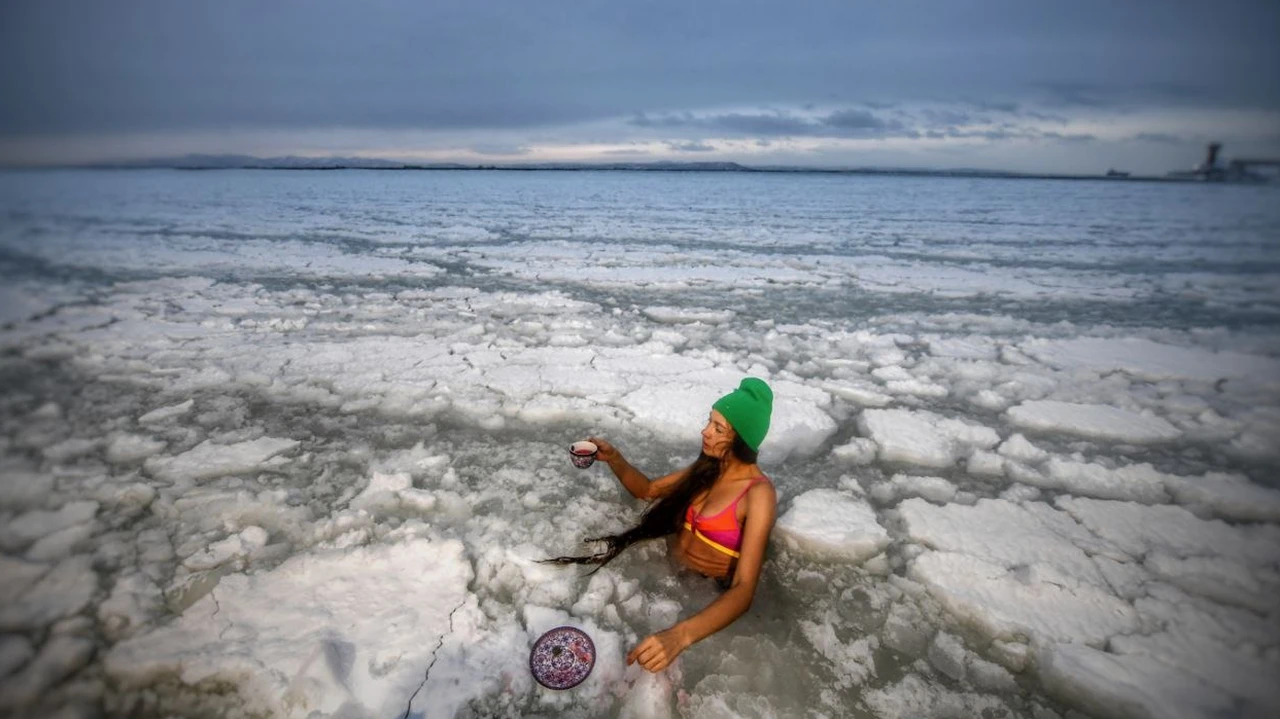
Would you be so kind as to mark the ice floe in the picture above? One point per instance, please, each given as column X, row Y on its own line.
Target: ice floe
column 1150, row 360
column 56, row 592
column 209, row 460
column 1094, row 421
column 280, row 460
column 922, row 438
column 831, row 523
column 314, row 634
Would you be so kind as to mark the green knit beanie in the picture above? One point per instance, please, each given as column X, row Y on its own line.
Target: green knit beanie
column 748, row 409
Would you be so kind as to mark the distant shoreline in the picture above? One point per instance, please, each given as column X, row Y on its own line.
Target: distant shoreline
column 799, row 171
column 210, row 163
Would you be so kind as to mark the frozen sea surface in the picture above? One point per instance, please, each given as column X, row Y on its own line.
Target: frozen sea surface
column 291, row 443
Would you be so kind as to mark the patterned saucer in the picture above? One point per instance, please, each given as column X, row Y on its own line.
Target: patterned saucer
column 562, row 658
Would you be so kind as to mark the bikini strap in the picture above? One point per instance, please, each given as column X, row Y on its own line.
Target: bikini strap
column 754, row 482
column 689, row 512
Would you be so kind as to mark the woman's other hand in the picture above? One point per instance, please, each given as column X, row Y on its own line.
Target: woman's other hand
column 605, row 452
column 657, row 651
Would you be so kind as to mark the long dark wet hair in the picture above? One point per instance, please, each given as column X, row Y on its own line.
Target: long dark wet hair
column 664, row 516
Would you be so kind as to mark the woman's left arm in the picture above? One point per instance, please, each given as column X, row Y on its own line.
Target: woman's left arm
column 659, row 650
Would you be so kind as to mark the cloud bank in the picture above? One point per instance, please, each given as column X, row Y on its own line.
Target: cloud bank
column 541, row 76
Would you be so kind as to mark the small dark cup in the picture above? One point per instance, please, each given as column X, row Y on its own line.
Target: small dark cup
column 583, row 453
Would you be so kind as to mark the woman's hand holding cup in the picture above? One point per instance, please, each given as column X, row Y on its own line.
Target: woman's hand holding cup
column 605, row 452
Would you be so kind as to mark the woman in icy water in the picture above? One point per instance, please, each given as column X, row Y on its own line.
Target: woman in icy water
column 719, row 511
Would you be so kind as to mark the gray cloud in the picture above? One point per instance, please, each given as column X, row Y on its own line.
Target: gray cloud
column 489, row 148
column 952, row 117
column 502, row 77
column 1080, row 94
column 1228, row 91
column 1011, row 132
column 858, row 123
column 840, row 123
column 690, row 147
column 1044, row 116
column 1069, row 137
column 137, row 65
column 1159, row 137
column 664, row 121
column 1011, row 108
column 855, row 120
column 774, row 124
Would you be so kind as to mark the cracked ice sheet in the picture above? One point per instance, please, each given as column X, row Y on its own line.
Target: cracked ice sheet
column 315, row 633
column 208, row 459
column 1093, row 421
column 23, row 300
column 460, row 368
column 833, row 524
column 607, row 265
column 1138, row 530
column 1149, row 360
column 1142, row 686
column 395, row 353
column 1042, row 586
column 678, row 267
column 665, row 393
column 882, row 274
column 923, row 438
column 1071, row 577
column 240, row 257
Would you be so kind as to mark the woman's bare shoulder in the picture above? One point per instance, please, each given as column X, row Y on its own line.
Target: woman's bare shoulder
column 763, row 492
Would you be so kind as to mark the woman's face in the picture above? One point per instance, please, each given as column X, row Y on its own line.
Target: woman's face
column 717, row 436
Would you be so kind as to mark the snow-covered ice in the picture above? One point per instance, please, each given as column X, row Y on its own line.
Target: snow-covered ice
column 1091, row 420
column 829, row 522
column 922, row 438
column 208, row 460
column 317, row 633
column 291, row 444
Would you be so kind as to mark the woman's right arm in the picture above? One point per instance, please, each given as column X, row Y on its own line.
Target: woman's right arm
column 635, row 482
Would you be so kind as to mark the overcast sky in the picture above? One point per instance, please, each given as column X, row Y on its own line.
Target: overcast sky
column 1073, row 86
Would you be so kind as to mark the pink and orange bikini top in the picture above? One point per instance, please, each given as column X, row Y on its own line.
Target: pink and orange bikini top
column 722, row 530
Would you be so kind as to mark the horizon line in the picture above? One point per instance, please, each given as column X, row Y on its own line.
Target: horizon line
column 232, row 161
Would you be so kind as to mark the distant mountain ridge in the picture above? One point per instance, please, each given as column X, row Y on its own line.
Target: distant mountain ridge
column 250, row 162
column 293, row 162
